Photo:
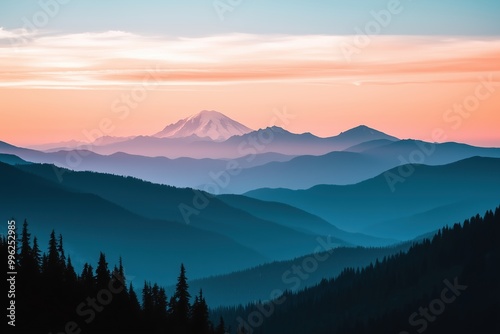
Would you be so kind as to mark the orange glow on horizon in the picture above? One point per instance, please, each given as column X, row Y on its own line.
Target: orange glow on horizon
column 57, row 88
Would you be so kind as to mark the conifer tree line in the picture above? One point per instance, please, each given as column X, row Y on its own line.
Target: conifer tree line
column 51, row 297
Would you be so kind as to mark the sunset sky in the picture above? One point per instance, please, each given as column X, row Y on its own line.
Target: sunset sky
column 67, row 65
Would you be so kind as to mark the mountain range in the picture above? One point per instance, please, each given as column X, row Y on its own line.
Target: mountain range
column 211, row 134
column 272, row 139
column 403, row 202
column 263, row 170
column 240, row 288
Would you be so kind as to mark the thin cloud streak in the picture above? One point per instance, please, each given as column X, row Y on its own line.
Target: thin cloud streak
column 119, row 59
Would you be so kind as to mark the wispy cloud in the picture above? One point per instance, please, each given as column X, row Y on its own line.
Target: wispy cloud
column 120, row 59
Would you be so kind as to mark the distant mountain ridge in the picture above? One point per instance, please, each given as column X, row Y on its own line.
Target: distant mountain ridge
column 259, row 170
column 363, row 131
column 269, row 140
column 211, row 134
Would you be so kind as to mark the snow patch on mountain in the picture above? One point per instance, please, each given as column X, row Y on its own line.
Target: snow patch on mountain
column 207, row 123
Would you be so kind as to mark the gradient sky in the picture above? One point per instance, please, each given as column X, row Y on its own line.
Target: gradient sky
column 140, row 65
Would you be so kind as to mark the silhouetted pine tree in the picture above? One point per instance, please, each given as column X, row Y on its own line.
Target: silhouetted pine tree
column 26, row 252
column 199, row 315
column 147, row 301
column 135, row 307
column 28, row 263
column 36, row 256
column 70, row 274
column 44, row 264
column 87, row 279
column 221, row 327
column 121, row 272
column 103, row 275
column 60, row 250
column 54, row 272
column 161, row 305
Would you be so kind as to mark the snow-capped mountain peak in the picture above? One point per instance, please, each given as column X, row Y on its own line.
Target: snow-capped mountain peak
column 206, row 123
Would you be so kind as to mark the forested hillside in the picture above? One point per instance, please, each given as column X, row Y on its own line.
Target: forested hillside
column 445, row 285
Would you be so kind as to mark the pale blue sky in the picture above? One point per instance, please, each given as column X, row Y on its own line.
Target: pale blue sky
column 199, row 18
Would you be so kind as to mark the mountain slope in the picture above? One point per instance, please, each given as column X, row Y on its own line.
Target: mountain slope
column 368, row 145
column 390, row 196
column 195, row 208
column 300, row 220
column 360, row 134
column 420, row 152
column 180, row 172
column 94, row 224
column 11, row 159
column 206, row 123
column 257, row 283
column 307, row 171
